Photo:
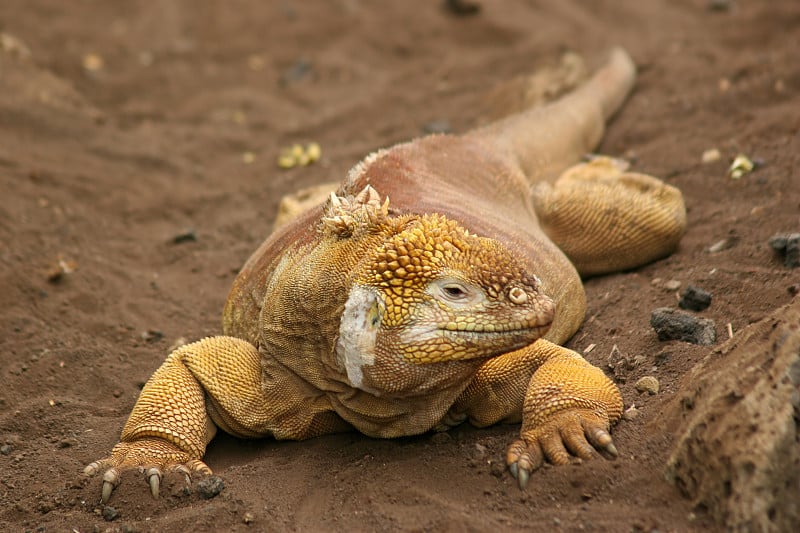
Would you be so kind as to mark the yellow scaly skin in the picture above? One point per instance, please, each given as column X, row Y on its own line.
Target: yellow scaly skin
column 446, row 304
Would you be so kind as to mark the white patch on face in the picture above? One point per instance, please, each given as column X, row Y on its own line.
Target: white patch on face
column 358, row 332
column 420, row 334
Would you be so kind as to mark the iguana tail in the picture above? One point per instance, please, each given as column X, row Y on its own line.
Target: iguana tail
column 546, row 140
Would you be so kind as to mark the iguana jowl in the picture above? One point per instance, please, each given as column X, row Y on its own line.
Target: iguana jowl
column 430, row 289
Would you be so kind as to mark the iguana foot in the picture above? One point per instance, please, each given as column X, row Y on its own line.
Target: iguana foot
column 568, row 437
column 150, row 456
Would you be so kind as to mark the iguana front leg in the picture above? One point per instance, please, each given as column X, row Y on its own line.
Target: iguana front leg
column 168, row 428
column 215, row 382
column 567, row 406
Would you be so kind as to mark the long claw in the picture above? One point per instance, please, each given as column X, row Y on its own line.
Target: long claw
column 601, row 440
column 187, row 475
column 612, row 450
column 110, row 481
column 522, row 480
column 514, row 469
column 154, row 475
column 108, row 488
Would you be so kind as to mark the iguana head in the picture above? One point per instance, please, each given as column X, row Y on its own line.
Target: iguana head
column 428, row 292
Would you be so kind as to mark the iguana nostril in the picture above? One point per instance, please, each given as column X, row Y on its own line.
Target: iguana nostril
column 517, row 295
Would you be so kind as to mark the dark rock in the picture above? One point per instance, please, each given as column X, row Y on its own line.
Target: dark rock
column 462, row 7
column 300, row 69
column 109, row 513
column 188, row 235
column 694, row 299
column 6, row 449
column 671, row 324
column 210, row 487
column 788, row 245
column 720, row 5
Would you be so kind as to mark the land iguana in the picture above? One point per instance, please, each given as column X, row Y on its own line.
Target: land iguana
column 435, row 286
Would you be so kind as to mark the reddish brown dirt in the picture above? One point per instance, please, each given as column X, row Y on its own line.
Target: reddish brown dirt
column 102, row 169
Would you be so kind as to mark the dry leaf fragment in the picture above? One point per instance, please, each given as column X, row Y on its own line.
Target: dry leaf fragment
column 60, row 269
column 297, row 155
column 93, row 62
column 741, row 165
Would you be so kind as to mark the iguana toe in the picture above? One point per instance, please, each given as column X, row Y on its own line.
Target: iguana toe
column 522, row 460
column 154, row 475
column 151, row 457
column 110, row 481
column 567, row 438
column 601, row 440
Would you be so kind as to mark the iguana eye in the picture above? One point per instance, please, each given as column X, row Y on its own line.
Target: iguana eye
column 454, row 291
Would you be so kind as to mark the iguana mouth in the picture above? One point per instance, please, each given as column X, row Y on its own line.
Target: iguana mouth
column 502, row 328
column 515, row 336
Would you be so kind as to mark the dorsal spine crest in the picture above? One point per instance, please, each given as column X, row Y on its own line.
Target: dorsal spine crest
column 346, row 216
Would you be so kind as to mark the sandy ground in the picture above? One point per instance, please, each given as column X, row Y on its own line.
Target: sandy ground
column 127, row 125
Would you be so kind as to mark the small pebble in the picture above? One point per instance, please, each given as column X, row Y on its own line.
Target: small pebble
column 720, row 5
column 210, row 487
column 109, row 513
column 710, row 156
column 92, row 62
column 66, row 443
column 497, row 469
column 671, row 324
column 441, row 437
column 648, row 384
column 13, row 46
column 672, row 285
column 724, row 244
column 300, row 69
column 187, row 235
column 462, row 7
column 6, row 449
column 694, row 299
column 248, row 518
column 631, row 413
column 152, row 335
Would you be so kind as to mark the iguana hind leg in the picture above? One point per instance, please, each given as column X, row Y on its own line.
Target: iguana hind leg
column 215, row 382
column 606, row 219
